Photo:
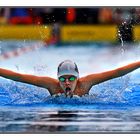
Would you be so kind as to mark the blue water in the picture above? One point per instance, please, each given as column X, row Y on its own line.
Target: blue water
column 112, row 106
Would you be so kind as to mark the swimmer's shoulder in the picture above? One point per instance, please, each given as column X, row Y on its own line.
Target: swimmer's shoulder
column 51, row 84
column 84, row 85
column 84, row 80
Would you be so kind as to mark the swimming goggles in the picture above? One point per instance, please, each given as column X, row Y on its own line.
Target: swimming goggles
column 63, row 79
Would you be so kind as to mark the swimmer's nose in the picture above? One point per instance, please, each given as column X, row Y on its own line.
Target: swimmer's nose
column 67, row 82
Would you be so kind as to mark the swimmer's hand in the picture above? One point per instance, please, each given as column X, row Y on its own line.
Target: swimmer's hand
column 76, row 96
column 57, row 95
column 67, row 94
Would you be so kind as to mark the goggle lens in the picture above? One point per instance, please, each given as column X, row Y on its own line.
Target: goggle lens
column 72, row 78
column 63, row 79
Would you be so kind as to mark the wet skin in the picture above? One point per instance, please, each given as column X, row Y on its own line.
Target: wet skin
column 80, row 86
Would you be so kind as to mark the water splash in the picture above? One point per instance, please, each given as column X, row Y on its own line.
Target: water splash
column 120, row 37
column 14, row 93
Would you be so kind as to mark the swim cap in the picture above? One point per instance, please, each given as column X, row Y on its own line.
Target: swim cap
column 67, row 67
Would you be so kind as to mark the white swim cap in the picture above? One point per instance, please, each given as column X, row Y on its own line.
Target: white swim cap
column 67, row 67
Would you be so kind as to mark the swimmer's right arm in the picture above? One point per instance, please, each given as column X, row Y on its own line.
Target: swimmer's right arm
column 98, row 78
column 45, row 82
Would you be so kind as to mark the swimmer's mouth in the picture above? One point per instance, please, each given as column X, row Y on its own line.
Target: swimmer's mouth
column 68, row 92
column 68, row 89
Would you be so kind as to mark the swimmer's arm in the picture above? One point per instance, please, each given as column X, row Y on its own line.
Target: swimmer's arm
column 45, row 82
column 94, row 79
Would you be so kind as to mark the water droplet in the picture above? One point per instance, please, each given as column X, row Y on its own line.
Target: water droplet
column 122, row 50
column 121, row 41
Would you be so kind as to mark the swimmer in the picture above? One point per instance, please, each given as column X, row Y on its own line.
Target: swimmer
column 68, row 81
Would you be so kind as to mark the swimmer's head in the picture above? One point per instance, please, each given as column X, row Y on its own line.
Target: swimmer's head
column 68, row 75
column 67, row 67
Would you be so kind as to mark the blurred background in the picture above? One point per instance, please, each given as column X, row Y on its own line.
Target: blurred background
column 71, row 24
column 54, row 34
column 37, row 29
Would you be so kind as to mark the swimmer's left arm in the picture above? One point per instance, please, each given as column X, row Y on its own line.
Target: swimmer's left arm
column 45, row 82
column 94, row 79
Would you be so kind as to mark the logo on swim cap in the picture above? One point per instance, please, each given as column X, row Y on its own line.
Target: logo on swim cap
column 67, row 67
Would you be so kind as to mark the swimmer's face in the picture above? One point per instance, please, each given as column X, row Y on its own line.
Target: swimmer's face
column 68, row 82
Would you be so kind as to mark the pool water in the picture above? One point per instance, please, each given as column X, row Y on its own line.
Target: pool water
column 110, row 107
